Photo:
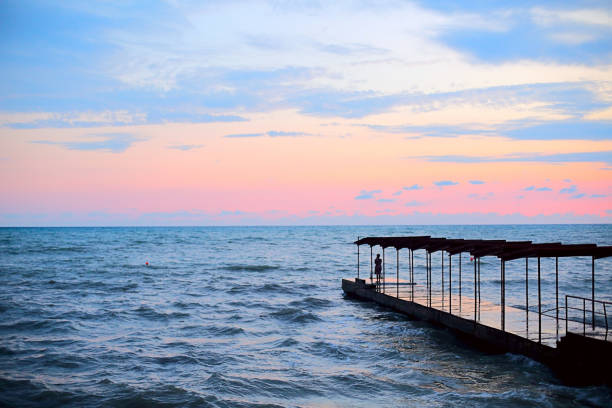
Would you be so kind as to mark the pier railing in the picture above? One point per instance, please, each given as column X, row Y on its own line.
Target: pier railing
column 593, row 313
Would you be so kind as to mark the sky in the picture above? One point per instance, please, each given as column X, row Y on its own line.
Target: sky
column 305, row 112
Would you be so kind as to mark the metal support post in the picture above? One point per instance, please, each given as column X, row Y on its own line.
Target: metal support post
column 427, row 277
column 475, row 291
column 527, row 297
column 371, row 271
column 479, row 287
column 397, row 273
column 442, row 273
column 383, row 272
column 557, row 295
column 503, row 295
column 593, row 289
column 539, row 305
column 450, row 284
column 357, row 259
column 411, row 275
column 459, row 282
column 430, row 284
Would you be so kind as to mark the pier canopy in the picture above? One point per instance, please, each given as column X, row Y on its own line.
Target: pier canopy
column 505, row 250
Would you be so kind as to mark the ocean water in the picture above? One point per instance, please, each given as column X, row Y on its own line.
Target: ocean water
column 253, row 316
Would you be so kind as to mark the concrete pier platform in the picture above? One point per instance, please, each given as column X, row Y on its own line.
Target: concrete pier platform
column 577, row 359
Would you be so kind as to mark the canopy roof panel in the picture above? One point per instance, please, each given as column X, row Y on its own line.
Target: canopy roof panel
column 505, row 250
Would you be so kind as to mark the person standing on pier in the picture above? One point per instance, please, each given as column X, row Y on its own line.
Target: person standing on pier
column 378, row 268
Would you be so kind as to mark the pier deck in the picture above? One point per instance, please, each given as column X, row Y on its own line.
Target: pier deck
column 519, row 321
column 572, row 338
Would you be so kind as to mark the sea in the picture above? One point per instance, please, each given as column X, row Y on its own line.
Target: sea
column 256, row 317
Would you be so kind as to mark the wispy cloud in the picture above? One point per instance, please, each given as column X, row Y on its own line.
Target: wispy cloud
column 87, row 119
column 244, row 135
column 445, row 183
column 413, row 187
column 477, row 196
column 569, row 190
column 367, row 194
column 111, row 142
column 275, row 133
column 476, row 182
column 271, row 133
column 414, row 203
column 185, row 148
column 534, row 188
column 600, row 157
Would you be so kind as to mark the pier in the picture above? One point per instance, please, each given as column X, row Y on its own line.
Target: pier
column 572, row 336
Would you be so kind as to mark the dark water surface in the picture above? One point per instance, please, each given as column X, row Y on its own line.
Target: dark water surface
column 251, row 316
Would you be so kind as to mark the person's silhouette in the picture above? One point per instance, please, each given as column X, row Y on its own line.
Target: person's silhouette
column 378, row 268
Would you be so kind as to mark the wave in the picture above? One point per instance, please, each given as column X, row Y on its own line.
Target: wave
column 151, row 313
column 311, row 302
column 225, row 330
column 47, row 325
column 251, row 268
column 176, row 359
column 22, row 393
column 268, row 387
column 326, row 349
column 47, row 250
column 294, row 315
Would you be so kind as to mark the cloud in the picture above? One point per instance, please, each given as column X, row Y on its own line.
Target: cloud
column 565, row 35
column 569, row 190
column 111, row 142
column 271, row 133
column 593, row 17
column 37, row 120
column 578, row 196
column 185, row 148
column 597, row 157
column 397, row 193
column 562, row 130
column 481, row 196
column 476, row 182
column 413, row 187
column 386, row 200
column 445, row 183
column 274, row 133
column 244, row 135
column 598, row 195
column 533, row 188
column 366, row 195
column 414, row 203
column 351, row 49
